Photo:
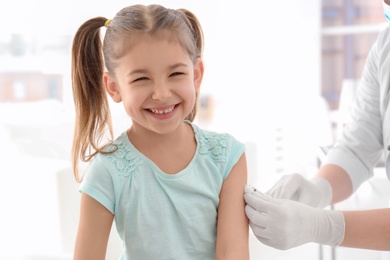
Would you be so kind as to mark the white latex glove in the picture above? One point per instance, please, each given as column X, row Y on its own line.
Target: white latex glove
column 284, row 224
column 316, row 192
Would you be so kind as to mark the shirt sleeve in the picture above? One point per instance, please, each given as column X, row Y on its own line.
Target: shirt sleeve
column 361, row 143
column 98, row 183
column 234, row 153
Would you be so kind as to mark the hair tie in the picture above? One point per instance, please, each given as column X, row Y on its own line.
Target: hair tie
column 107, row 23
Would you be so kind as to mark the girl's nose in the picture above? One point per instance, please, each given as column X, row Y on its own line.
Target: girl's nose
column 161, row 91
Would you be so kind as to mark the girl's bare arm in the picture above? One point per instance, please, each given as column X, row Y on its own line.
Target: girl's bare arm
column 93, row 231
column 233, row 227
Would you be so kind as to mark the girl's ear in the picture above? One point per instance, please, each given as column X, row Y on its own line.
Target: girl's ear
column 111, row 87
column 198, row 73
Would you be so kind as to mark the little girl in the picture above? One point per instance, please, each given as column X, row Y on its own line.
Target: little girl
column 174, row 189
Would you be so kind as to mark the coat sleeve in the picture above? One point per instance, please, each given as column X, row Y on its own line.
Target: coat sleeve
column 360, row 145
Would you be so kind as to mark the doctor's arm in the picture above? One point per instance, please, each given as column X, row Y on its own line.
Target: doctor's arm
column 93, row 231
column 339, row 181
column 233, row 227
column 368, row 229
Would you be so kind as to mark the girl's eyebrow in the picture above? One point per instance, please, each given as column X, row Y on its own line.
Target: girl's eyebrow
column 174, row 66
column 137, row 71
column 142, row 71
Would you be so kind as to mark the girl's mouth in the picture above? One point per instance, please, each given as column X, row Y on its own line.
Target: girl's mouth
column 162, row 111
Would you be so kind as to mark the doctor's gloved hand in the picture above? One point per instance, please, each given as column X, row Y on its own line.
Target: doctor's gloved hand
column 316, row 192
column 284, row 224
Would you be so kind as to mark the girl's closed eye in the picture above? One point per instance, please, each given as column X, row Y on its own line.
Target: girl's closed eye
column 176, row 74
column 140, row 79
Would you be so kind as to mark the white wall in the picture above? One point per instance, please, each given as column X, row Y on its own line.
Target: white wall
column 263, row 70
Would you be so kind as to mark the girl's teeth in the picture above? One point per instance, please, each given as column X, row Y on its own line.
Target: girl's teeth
column 163, row 111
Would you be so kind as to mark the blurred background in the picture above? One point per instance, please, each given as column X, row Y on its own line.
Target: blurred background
column 279, row 75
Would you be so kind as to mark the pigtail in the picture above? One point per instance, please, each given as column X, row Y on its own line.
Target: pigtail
column 90, row 98
column 197, row 31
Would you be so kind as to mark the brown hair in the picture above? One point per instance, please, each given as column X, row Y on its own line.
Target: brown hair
column 90, row 56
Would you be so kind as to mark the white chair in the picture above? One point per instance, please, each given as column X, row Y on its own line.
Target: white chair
column 69, row 203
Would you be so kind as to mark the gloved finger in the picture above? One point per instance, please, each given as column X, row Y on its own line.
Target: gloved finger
column 265, row 241
column 249, row 189
column 272, row 239
column 259, row 231
column 274, row 192
column 276, row 188
column 256, row 201
column 306, row 198
column 287, row 187
column 256, row 217
column 288, row 191
column 275, row 244
column 253, row 190
column 259, row 201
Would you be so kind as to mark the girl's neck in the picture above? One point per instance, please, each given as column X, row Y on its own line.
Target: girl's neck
column 171, row 152
column 141, row 137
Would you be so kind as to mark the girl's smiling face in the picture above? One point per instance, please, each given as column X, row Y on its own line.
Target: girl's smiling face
column 157, row 82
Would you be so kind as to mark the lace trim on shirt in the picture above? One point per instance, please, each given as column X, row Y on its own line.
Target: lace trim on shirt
column 213, row 146
column 125, row 160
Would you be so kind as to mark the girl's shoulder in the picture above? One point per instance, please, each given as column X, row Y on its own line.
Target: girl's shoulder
column 121, row 156
column 216, row 145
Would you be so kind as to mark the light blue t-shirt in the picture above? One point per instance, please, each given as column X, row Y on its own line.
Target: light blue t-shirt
column 158, row 215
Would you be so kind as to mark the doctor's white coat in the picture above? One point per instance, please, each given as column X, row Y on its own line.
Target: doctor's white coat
column 367, row 135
